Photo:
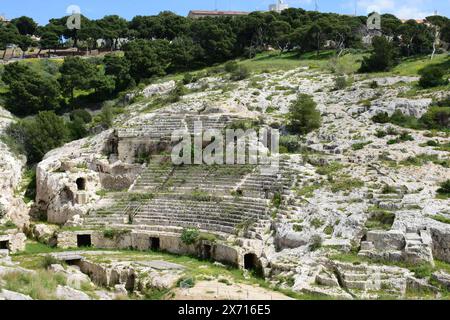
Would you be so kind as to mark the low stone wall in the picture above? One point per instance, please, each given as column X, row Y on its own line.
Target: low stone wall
column 141, row 241
column 15, row 241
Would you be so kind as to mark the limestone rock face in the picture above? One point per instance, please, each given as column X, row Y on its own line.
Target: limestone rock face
column 68, row 178
column 68, row 293
column 44, row 232
column 11, row 295
column 391, row 240
column 11, row 167
column 408, row 107
column 159, row 88
column 442, row 278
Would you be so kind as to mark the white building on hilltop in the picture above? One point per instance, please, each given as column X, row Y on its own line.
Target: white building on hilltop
column 279, row 6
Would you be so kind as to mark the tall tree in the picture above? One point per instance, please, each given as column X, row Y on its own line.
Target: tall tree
column 29, row 91
column 76, row 73
column 147, row 58
column 25, row 25
column 113, row 28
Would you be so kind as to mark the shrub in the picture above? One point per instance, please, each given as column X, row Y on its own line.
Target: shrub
column 297, row 228
column 423, row 271
column 405, row 136
column 48, row 260
column 383, row 57
column 83, row 114
column 290, row 142
column 432, row 77
column 380, row 220
column 329, row 230
column 381, row 134
column 186, row 283
column 188, row 78
column 240, row 73
column 316, row 242
column 190, row 236
column 316, row 223
column 303, row 115
column 40, row 134
column 445, row 188
column 231, row 66
column 373, row 84
column 114, row 233
column 360, row 145
column 106, row 116
column 276, row 201
column 340, row 83
column 436, row 118
column 2, row 211
column 382, row 117
column 387, row 189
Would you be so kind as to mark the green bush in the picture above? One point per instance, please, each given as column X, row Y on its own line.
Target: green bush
column 432, row 77
column 373, row 85
column 290, row 142
column 340, row 83
column 445, row 188
column 382, row 117
column 83, row 114
column 231, row 66
column 190, row 236
column 437, row 118
column 383, row 57
column 241, row 73
column 48, row 260
column 315, row 242
column 186, row 283
column 380, row 219
column 188, row 78
column 276, row 201
column 387, row 189
column 303, row 115
column 40, row 134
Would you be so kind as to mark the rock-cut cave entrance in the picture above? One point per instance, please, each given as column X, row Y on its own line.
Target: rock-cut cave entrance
column 4, row 245
column 154, row 244
column 81, row 184
column 84, row 240
column 252, row 263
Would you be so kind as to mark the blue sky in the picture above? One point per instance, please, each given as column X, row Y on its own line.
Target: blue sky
column 42, row 10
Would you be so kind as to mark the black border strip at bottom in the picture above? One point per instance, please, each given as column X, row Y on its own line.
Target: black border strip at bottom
column 165, row 310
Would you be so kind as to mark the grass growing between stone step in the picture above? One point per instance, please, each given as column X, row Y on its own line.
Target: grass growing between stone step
column 379, row 219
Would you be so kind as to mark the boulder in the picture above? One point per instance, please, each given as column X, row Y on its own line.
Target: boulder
column 387, row 240
column 11, row 295
column 17, row 242
column 159, row 88
column 44, row 233
column 442, row 278
column 68, row 293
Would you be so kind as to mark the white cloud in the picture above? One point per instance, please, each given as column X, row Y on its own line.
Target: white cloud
column 403, row 9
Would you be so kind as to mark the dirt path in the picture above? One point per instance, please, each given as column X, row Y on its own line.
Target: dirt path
column 214, row 290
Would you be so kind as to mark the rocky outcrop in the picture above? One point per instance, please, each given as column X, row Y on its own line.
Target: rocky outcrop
column 415, row 108
column 11, row 295
column 68, row 293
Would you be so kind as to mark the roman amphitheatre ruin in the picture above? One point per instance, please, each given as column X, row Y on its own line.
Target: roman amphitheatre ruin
column 335, row 221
